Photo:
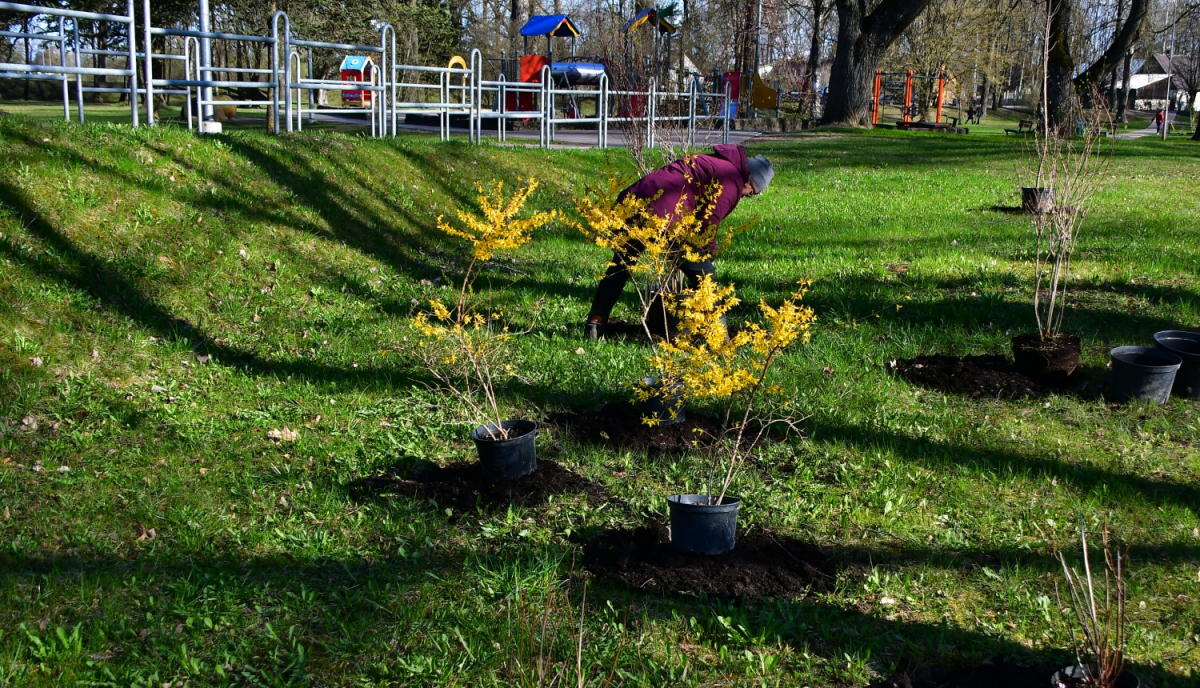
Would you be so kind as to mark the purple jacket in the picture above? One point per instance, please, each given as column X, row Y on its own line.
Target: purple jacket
column 727, row 165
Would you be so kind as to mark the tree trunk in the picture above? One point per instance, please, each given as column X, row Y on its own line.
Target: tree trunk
column 1123, row 98
column 1121, row 43
column 861, row 43
column 1060, row 67
column 814, row 58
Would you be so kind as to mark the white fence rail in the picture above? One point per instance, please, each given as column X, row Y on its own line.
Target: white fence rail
column 396, row 90
column 64, row 73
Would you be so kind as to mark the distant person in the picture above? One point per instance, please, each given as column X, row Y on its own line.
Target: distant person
column 1159, row 119
column 979, row 114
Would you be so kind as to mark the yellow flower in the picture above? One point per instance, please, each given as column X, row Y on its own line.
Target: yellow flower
column 498, row 228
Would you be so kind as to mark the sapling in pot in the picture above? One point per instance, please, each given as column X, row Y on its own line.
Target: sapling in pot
column 730, row 370
column 467, row 346
column 1097, row 618
column 1068, row 171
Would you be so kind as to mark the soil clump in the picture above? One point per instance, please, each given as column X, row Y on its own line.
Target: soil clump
column 620, row 424
column 761, row 565
column 463, row 486
column 1050, row 360
column 991, row 376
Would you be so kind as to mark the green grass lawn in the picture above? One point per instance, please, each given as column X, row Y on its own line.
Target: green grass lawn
column 167, row 300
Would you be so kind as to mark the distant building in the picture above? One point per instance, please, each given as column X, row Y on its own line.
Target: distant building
column 1148, row 85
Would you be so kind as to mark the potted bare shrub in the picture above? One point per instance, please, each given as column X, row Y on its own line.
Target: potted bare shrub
column 1097, row 621
column 1069, row 168
column 467, row 346
column 731, row 371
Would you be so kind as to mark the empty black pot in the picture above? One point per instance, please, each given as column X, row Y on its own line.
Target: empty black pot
column 1038, row 200
column 1142, row 374
column 700, row 527
column 665, row 402
column 1185, row 345
column 505, row 459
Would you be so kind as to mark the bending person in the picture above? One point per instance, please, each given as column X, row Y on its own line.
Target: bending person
column 680, row 184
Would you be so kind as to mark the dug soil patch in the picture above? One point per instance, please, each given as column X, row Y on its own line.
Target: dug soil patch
column 463, row 486
column 991, row 376
column 761, row 565
column 620, row 424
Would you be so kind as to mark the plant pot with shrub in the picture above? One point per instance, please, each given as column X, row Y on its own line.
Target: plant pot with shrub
column 1069, row 168
column 730, row 371
column 467, row 346
column 1095, row 614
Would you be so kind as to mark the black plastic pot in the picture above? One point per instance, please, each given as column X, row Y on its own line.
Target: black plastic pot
column 1070, row 676
column 700, row 527
column 664, row 403
column 508, row 458
column 1140, row 373
column 1038, row 200
column 1185, row 345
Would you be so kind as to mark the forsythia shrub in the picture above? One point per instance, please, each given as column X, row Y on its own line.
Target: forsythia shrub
column 465, row 348
column 711, row 364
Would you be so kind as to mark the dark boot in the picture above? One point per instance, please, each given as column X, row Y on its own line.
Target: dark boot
column 593, row 330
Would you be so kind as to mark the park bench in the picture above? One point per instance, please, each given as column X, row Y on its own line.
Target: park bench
column 1025, row 126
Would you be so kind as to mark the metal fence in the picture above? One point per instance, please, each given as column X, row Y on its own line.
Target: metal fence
column 63, row 72
column 451, row 94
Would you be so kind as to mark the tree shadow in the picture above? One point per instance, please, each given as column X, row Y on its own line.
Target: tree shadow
column 100, row 280
column 935, row 453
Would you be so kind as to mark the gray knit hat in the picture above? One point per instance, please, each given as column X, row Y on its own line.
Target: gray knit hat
column 761, row 172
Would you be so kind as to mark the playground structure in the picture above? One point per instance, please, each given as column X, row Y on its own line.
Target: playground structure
column 375, row 88
column 887, row 90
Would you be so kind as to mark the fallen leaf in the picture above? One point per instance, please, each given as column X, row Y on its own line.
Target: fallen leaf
column 580, row 351
column 257, row 318
column 95, row 355
column 29, row 423
column 36, row 361
column 285, row 434
column 243, row 253
column 146, row 534
column 203, row 358
column 64, row 469
column 203, row 471
column 157, row 389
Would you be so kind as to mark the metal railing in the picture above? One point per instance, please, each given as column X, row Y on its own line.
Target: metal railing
column 62, row 72
column 395, row 90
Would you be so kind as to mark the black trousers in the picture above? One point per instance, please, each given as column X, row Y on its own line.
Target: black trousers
column 608, row 292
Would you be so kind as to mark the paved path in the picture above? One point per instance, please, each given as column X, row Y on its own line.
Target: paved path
column 564, row 138
column 1150, row 130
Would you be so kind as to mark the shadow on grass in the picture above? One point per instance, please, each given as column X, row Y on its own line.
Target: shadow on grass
column 100, row 280
column 343, row 608
column 1108, row 485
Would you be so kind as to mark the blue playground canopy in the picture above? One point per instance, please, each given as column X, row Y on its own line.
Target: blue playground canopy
column 648, row 16
column 550, row 25
column 355, row 62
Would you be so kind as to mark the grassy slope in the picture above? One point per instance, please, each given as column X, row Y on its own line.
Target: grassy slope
column 293, row 263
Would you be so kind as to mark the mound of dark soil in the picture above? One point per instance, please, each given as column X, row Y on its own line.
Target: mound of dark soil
column 463, row 486
column 976, row 376
column 620, row 424
column 761, row 565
